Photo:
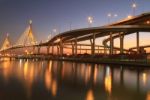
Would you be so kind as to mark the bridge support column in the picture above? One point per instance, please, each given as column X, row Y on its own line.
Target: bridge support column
column 61, row 47
column 76, row 47
column 48, row 47
column 111, row 44
column 137, row 42
column 33, row 50
column 58, row 51
column 93, row 45
column 80, row 48
column 38, row 51
column 121, row 43
column 72, row 48
column 52, row 49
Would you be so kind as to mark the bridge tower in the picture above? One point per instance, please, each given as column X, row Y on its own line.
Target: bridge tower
column 6, row 44
column 27, row 38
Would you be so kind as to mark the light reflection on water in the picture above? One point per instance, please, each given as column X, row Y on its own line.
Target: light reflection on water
column 40, row 80
column 90, row 95
column 108, row 80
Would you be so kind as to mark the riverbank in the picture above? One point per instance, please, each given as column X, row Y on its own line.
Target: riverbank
column 96, row 60
column 144, row 63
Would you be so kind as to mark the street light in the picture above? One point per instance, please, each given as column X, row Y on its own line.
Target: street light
column 90, row 20
column 134, row 6
column 54, row 32
column 115, row 15
column 110, row 15
column 30, row 21
column 148, row 22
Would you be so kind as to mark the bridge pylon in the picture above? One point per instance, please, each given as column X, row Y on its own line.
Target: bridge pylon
column 27, row 38
column 6, row 44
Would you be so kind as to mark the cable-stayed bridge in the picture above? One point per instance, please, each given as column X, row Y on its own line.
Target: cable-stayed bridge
column 71, row 40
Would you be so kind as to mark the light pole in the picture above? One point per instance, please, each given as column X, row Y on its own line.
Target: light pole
column 110, row 15
column 134, row 6
column 54, row 32
column 90, row 20
column 70, row 26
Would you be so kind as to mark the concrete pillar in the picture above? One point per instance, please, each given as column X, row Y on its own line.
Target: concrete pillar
column 137, row 42
column 72, row 48
column 48, row 47
column 76, row 47
column 58, row 51
column 33, row 49
column 61, row 47
column 111, row 44
column 121, row 43
column 72, row 44
column 38, row 51
column 80, row 48
column 52, row 49
column 93, row 45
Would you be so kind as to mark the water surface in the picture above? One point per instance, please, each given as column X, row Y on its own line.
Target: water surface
column 62, row 80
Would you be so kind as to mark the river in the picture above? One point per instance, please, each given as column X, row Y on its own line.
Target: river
column 63, row 80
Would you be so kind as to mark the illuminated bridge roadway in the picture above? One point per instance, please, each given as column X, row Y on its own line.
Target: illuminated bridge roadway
column 72, row 40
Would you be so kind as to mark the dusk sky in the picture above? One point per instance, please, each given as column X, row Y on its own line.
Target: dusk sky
column 49, row 14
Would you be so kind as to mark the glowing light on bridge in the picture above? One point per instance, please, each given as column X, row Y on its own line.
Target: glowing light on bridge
column 90, row 20
column 129, row 17
column 148, row 22
column 110, row 15
column 30, row 21
column 54, row 30
column 134, row 6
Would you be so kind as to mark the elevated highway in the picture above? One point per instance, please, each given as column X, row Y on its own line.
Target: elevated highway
column 119, row 30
